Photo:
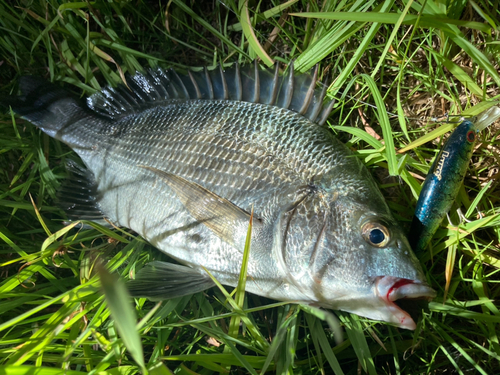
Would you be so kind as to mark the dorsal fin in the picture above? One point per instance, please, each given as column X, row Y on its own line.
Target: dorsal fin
column 250, row 83
column 286, row 92
column 256, row 83
column 237, row 82
column 209, row 84
column 310, row 91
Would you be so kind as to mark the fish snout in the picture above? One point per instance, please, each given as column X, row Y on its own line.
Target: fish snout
column 390, row 289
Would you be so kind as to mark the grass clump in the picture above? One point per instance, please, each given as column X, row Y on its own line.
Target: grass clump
column 417, row 61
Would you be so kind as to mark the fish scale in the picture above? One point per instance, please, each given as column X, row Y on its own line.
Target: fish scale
column 182, row 159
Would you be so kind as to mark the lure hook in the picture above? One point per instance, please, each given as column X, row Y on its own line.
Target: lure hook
column 461, row 218
column 451, row 223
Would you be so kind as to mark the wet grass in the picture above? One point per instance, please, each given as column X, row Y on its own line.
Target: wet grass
column 423, row 60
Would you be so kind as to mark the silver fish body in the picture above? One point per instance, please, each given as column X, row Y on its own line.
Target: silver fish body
column 185, row 159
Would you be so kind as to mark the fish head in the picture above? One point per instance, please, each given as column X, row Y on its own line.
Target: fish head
column 363, row 263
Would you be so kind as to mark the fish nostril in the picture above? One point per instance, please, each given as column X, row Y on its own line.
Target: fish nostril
column 400, row 244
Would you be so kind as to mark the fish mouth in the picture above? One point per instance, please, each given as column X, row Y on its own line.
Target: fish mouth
column 391, row 289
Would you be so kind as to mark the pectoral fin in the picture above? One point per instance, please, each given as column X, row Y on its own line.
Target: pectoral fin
column 160, row 280
column 225, row 219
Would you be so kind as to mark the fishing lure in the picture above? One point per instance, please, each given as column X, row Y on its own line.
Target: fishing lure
column 444, row 179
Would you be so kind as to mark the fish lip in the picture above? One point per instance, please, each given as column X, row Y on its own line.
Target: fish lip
column 390, row 289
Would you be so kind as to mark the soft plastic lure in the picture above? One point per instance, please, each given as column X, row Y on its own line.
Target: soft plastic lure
column 445, row 177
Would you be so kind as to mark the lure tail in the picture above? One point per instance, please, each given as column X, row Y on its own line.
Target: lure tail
column 45, row 104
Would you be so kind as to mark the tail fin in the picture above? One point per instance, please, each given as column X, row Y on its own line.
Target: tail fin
column 45, row 104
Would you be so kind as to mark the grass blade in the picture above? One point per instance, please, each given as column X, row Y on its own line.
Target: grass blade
column 246, row 26
column 118, row 300
column 383, row 118
column 34, row 370
column 358, row 341
column 239, row 297
column 395, row 18
column 319, row 334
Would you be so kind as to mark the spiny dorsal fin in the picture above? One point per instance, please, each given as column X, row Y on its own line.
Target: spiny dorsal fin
column 310, row 92
column 209, row 84
column 298, row 93
column 256, row 84
column 238, row 89
column 286, row 91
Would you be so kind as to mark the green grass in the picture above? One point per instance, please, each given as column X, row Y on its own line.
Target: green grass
column 423, row 60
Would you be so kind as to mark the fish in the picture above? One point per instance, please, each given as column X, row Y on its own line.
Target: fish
column 445, row 177
column 183, row 159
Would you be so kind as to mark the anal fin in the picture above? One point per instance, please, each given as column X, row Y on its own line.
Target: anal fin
column 161, row 280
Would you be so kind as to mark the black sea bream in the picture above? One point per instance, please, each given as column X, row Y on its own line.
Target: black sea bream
column 183, row 159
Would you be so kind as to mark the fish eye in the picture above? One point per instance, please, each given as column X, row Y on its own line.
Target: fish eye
column 471, row 136
column 376, row 234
